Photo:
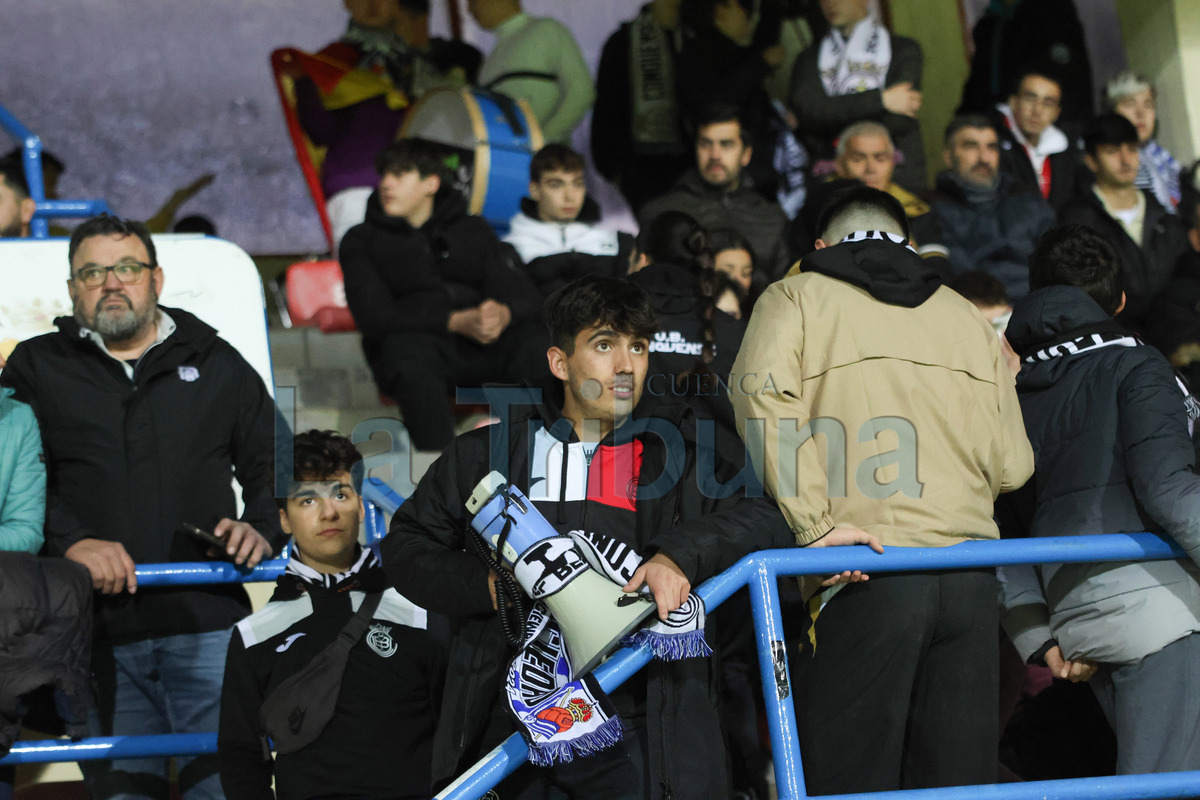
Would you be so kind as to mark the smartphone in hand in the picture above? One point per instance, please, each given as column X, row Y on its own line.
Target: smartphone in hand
column 215, row 542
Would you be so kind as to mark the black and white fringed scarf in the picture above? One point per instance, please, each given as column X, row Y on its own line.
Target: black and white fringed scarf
column 857, row 64
column 1081, row 342
column 879, row 236
column 367, row 560
column 652, row 68
column 562, row 718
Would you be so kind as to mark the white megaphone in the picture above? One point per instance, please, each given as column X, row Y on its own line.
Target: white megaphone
column 592, row 612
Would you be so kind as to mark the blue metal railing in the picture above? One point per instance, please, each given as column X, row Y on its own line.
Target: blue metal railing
column 31, row 157
column 759, row 571
column 379, row 500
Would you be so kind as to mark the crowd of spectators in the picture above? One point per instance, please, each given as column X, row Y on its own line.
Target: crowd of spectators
column 1037, row 300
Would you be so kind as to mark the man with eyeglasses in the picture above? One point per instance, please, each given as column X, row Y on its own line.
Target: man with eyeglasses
column 1034, row 151
column 145, row 415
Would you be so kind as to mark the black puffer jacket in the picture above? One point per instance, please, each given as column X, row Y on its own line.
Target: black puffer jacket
column 743, row 209
column 1146, row 270
column 427, row 558
column 994, row 231
column 1108, row 424
column 45, row 639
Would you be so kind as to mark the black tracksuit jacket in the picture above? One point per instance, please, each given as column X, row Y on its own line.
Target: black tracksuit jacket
column 377, row 745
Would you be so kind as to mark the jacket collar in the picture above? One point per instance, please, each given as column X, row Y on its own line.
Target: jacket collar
column 190, row 334
column 1054, row 314
column 950, row 184
column 1051, row 142
column 1154, row 210
column 365, row 575
column 448, row 205
column 588, row 215
column 693, row 183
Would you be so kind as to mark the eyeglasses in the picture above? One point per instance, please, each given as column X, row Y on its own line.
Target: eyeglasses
column 1048, row 103
column 128, row 272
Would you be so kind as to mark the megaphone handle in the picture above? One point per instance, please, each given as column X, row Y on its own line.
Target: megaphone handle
column 510, row 605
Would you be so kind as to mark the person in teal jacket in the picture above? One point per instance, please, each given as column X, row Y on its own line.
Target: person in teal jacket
column 22, row 477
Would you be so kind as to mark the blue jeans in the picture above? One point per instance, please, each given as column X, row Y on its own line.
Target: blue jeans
column 171, row 684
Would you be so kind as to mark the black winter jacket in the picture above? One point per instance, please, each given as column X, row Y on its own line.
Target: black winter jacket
column 821, row 117
column 128, row 461
column 1017, row 35
column 616, row 155
column 991, row 231
column 378, row 742
column 1109, row 432
column 403, row 279
column 45, row 639
column 743, row 209
column 1109, row 425
column 428, row 559
column 1146, row 269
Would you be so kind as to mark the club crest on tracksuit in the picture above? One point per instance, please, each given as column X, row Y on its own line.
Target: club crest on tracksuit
column 379, row 639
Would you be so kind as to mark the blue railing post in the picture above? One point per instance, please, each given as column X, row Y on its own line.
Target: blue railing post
column 31, row 159
column 777, row 683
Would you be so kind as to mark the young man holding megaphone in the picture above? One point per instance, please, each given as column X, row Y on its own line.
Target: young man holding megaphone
column 584, row 487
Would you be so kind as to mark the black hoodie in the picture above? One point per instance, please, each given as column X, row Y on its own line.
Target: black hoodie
column 677, row 346
column 893, row 275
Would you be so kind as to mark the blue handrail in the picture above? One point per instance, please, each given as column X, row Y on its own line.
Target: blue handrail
column 31, row 157
column 378, row 498
column 760, row 571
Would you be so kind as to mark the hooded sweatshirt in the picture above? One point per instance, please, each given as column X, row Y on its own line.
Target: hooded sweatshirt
column 905, row 382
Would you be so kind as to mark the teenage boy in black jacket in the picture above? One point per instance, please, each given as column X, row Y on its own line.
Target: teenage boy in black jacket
column 377, row 744
column 1109, row 424
column 583, row 468
column 145, row 413
column 430, row 290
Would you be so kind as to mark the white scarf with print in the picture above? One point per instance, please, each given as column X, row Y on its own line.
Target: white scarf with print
column 859, row 63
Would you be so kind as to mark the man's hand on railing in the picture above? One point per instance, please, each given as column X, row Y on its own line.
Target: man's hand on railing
column 846, row 536
column 243, row 542
column 111, row 567
column 1077, row 671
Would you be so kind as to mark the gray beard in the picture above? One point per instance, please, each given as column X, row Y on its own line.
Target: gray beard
column 120, row 327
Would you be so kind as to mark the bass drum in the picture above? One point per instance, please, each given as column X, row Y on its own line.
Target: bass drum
column 495, row 137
